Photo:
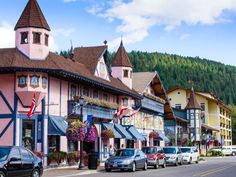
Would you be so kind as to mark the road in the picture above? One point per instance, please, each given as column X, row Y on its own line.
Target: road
column 212, row 167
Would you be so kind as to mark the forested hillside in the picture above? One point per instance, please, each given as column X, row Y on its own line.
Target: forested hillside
column 176, row 70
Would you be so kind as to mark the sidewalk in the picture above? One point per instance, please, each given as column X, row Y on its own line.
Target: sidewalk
column 69, row 171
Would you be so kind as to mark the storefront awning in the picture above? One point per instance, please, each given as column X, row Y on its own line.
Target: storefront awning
column 111, row 127
column 57, row 125
column 135, row 134
column 210, row 128
column 123, row 132
column 162, row 137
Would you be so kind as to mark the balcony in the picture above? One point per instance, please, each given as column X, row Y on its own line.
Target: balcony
column 94, row 110
column 152, row 105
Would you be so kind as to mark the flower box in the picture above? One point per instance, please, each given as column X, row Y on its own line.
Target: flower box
column 106, row 134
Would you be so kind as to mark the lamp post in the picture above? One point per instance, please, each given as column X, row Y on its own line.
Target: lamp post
column 81, row 103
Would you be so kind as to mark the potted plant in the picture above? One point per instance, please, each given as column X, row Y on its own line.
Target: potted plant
column 106, row 134
column 72, row 158
column 91, row 136
column 76, row 131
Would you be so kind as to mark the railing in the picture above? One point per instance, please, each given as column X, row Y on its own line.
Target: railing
column 94, row 110
column 152, row 105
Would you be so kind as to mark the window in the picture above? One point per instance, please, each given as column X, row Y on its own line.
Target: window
column 24, row 38
column 44, row 82
column 15, row 153
column 126, row 73
column 86, row 91
column 72, row 91
column 36, row 38
column 125, row 101
column 34, row 81
column 95, row 94
column 178, row 106
column 105, row 97
column 22, row 82
column 203, row 106
column 46, row 39
column 26, row 156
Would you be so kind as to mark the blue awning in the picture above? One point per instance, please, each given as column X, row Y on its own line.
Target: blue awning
column 57, row 125
column 135, row 134
column 162, row 137
column 111, row 127
column 123, row 132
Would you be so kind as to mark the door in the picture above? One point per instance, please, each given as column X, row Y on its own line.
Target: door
column 27, row 162
column 14, row 165
column 28, row 134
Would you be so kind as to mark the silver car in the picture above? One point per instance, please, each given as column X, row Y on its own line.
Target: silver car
column 173, row 155
column 127, row 159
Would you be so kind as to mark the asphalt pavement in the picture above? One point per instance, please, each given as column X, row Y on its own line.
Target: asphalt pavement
column 211, row 167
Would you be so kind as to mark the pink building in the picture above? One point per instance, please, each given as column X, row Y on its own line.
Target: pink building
column 30, row 68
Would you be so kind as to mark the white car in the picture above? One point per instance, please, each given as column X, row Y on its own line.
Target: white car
column 173, row 155
column 190, row 154
column 229, row 150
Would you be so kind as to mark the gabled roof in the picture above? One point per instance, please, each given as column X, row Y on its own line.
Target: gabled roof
column 142, row 79
column 89, row 56
column 121, row 58
column 192, row 103
column 32, row 16
column 13, row 60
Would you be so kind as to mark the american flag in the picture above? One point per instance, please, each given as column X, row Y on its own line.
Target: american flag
column 32, row 107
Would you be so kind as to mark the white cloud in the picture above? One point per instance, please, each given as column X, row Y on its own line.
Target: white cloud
column 184, row 36
column 95, row 9
column 63, row 32
column 7, row 35
column 138, row 16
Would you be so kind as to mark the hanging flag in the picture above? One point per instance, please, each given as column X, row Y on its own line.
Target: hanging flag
column 32, row 107
column 120, row 112
column 135, row 112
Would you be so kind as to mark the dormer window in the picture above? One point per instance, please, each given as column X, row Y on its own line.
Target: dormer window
column 24, row 38
column 37, row 37
column 46, row 39
column 34, row 81
column 22, row 82
column 126, row 73
column 125, row 101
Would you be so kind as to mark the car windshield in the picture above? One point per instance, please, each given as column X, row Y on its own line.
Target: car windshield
column 125, row 152
column 185, row 150
column 4, row 152
column 169, row 150
column 149, row 150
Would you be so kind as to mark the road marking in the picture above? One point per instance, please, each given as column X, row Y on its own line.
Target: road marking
column 215, row 170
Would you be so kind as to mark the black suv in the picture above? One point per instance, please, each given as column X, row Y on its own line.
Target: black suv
column 19, row 162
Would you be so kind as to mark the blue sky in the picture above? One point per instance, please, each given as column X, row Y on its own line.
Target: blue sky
column 204, row 28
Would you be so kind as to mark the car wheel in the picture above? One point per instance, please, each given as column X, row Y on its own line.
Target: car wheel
column 2, row 174
column 190, row 160
column 164, row 164
column 197, row 160
column 176, row 162
column 133, row 167
column 145, row 166
column 156, row 165
column 233, row 153
column 35, row 173
column 108, row 170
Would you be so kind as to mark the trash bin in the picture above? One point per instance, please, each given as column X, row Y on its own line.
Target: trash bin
column 92, row 160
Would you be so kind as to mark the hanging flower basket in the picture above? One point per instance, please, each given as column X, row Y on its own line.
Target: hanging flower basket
column 76, row 131
column 154, row 134
column 91, row 136
column 106, row 134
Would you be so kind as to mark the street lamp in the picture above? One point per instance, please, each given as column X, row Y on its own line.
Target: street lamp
column 81, row 103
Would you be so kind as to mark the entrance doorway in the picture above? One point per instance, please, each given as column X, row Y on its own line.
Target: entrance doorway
column 28, row 132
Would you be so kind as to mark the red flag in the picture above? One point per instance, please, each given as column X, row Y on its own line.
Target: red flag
column 120, row 112
column 32, row 107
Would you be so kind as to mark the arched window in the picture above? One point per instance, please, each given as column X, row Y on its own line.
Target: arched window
column 24, row 38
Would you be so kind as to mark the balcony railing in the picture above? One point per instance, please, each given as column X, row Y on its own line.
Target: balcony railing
column 94, row 110
column 152, row 105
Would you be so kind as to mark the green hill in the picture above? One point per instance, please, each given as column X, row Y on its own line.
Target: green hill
column 176, row 70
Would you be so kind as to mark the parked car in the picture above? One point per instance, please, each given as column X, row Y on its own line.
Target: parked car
column 190, row 154
column 19, row 162
column 173, row 155
column 155, row 156
column 127, row 159
column 226, row 150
